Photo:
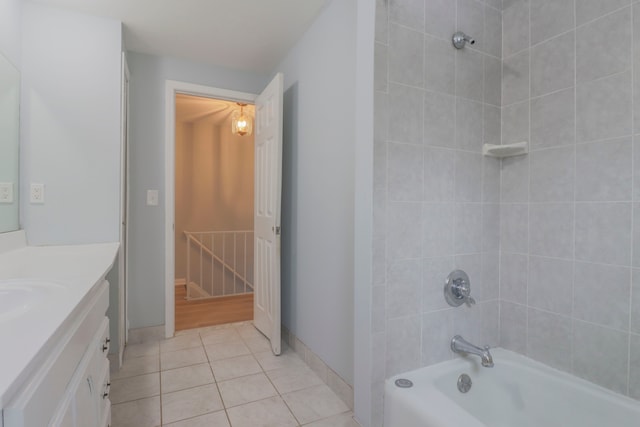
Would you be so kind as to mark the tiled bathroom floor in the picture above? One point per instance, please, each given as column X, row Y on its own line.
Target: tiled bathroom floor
column 222, row 376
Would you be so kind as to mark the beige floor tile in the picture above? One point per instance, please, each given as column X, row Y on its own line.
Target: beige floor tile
column 247, row 389
column 216, row 419
column 270, row 412
column 293, row 378
column 342, row 420
column 187, row 332
column 139, row 413
column 227, row 369
column 187, row 377
column 248, row 331
column 216, row 336
column 180, row 343
column 139, row 350
column 225, row 350
column 137, row 366
column 288, row 358
column 257, row 344
column 134, row 388
column 315, row 403
column 181, row 358
column 190, row 403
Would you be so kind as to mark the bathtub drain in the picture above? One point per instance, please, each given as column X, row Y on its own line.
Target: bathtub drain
column 404, row 383
column 464, row 383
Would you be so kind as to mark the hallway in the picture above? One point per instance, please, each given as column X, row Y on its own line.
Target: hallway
column 221, row 376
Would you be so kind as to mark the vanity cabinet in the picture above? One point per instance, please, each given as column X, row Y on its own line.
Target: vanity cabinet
column 69, row 386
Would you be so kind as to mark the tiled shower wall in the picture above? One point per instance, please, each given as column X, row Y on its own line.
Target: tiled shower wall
column 436, row 198
column 570, row 210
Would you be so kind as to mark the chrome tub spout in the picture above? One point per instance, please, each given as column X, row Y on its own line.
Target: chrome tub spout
column 460, row 345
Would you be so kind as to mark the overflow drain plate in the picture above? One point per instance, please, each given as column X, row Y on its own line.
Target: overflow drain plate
column 404, row 383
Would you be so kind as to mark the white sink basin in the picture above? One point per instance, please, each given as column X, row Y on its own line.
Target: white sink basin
column 20, row 296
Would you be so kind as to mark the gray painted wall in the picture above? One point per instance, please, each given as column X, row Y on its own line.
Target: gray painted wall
column 70, row 126
column 146, row 239
column 10, row 30
column 318, row 187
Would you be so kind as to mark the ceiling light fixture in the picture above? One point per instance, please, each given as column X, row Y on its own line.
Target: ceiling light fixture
column 241, row 123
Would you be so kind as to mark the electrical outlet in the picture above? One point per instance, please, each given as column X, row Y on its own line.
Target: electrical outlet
column 37, row 194
column 152, row 197
column 6, row 192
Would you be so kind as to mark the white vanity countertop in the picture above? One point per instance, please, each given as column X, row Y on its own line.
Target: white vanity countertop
column 77, row 270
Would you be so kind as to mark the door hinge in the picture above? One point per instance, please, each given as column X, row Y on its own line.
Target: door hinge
column 276, row 230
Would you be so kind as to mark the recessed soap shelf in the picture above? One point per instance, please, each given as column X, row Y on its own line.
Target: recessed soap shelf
column 507, row 150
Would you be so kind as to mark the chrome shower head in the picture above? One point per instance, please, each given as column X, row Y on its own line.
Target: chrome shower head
column 460, row 39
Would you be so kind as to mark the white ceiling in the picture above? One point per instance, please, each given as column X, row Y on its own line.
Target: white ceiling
column 252, row 35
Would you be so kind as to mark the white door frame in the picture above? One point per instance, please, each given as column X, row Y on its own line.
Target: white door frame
column 123, row 253
column 174, row 87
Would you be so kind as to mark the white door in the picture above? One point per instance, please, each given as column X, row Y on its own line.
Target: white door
column 268, row 189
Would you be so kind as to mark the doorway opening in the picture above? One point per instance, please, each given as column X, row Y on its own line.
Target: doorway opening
column 214, row 213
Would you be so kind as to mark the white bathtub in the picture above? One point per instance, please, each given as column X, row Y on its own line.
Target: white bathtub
column 517, row 392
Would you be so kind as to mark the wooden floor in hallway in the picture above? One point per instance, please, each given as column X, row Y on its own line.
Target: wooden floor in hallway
column 209, row 312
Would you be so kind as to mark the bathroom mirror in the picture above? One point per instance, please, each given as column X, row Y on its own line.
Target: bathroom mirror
column 9, row 145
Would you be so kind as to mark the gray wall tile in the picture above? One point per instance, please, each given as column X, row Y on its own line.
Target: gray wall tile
column 409, row 13
column 380, row 68
column 636, row 235
column 513, row 227
column 382, row 22
column 604, row 170
column 636, row 65
column 513, row 327
column 601, row 294
column 492, row 123
column 437, row 331
column 515, row 179
column 515, row 123
column 491, row 180
column 604, row 108
column 479, row 323
column 469, row 125
column 549, row 339
column 378, row 308
column 550, row 18
column 490, row 277
column 471, row 19
column 403, row 333
column 493, row 80
column 492, row 32
column 440, row 18
column 551, row 284
column 490, row 227
column 438, row 175
column 439, row 119
column 380, row 116
column 602, row 232
column 636, row 168
column 551, row 229
column 469, row 74
column 405, row 114
column 405, row 175
column 603, row 47
column 404, row 230
column 635, row 301
column 587, row 10
column 468, row 181
column 553, row 65
column 513, row 277
column 553, row 119
column 404, row 283
column 437, row 229
column 634, row 374
column 467, row 237
column 406, row 50
column 515, row 26
column 607, row 368
column 515, row 78
column 435, row 272
column 552, row 174
column 439, row 65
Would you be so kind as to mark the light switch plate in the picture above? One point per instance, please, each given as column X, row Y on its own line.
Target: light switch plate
column 36, row 195
column 152, row 197
column 6, row 192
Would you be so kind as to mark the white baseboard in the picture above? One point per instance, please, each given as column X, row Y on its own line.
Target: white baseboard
column 181, row 282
